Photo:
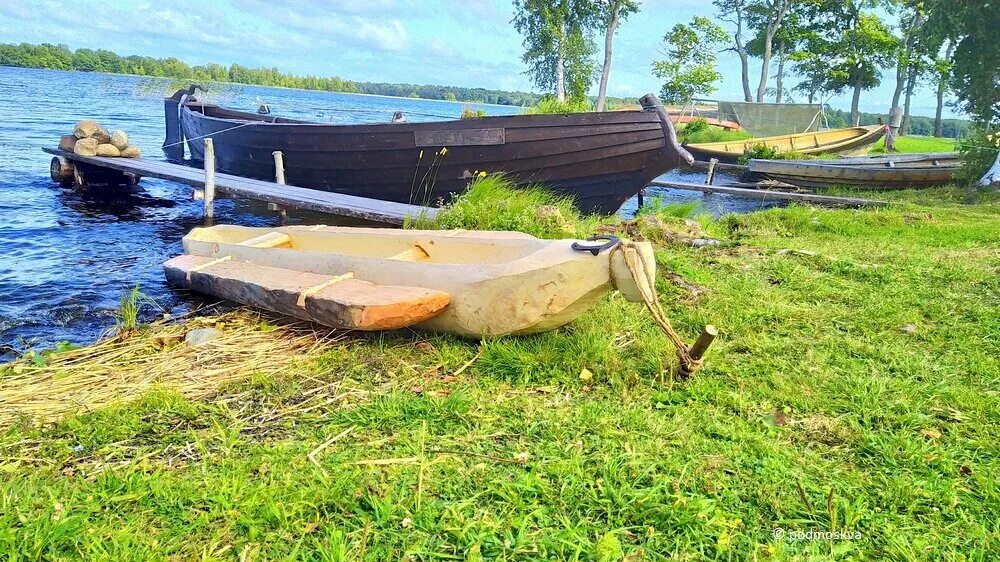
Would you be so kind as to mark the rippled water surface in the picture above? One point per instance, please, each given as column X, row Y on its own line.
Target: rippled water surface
column 67, row 258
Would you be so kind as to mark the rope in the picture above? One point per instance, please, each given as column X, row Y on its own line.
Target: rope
column 215, row 133
column 640, row 274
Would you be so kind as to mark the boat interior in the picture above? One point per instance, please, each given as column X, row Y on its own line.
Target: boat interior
column 451, row 247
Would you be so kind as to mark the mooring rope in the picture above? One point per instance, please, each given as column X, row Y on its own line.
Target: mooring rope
column 637, row 268
column 213, row 133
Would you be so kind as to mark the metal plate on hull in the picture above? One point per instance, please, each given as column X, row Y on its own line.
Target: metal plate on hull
column 459, row 137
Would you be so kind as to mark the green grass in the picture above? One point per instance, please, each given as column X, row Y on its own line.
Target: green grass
column 816, row 410
column 915, row 144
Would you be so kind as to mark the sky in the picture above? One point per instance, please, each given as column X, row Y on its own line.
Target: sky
column 447, row 42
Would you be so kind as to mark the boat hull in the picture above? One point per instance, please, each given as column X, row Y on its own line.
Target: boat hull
column 499, row 283
column 880, row 173
column 854, row 141
column 599, row 159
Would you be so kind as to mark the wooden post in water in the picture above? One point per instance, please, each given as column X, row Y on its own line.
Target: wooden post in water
column 279, row 167
column 209, row 179
column 641, row 195
column 711, row 171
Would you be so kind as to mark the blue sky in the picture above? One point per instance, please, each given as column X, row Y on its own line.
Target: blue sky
column 451, row 42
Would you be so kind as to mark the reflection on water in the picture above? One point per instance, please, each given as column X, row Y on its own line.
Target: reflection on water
column 67, row 257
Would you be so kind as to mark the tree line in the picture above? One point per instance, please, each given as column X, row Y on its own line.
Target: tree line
column 60, row 57
column 828, row 46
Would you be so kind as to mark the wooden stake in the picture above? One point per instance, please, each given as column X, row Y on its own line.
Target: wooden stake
column 706, row 338
column 711, row 171
column 642, row 194
column 279, row 167
column 209, row 179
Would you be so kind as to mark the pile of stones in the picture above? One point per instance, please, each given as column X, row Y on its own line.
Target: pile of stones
column 91, row 139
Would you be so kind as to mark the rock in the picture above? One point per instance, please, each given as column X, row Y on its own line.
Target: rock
column 549, row 213
column 86, row 147
column 201, row 336
column 67, row 142
column 85, row 129
column 102, row 135
column 131, row 152
column 699, row 242
column 908, row 328
column 119, row 139
column 108, row 150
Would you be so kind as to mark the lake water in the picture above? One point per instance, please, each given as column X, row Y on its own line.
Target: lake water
column 67, row 258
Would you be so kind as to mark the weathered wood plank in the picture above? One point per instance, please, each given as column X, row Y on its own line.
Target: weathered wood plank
column 285, row 195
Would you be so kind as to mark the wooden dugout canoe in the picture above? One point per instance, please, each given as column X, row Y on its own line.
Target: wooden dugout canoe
column 888, row 172
column 853, row 141
column 492, row 283
column 599, row 159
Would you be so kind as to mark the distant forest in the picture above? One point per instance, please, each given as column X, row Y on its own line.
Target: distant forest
column 60, row 57
column 923, row 126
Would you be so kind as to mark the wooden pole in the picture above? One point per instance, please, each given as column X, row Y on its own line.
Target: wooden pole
column 209, row 179
column 711, row 171
column 895, row 120
column 706, row 338
column 279, row 167
column 641, row 195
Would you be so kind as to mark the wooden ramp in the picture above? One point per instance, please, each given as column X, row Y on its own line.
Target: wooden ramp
column 289, row 196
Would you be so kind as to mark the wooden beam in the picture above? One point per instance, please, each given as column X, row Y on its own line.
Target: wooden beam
column 279, row 167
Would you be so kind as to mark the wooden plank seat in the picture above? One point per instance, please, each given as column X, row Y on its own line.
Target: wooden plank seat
column 338, row 301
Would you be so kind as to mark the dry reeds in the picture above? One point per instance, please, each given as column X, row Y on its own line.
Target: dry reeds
column 127, row 367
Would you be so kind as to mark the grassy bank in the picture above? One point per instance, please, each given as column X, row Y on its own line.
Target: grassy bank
column 854, row 389
column 915, row 144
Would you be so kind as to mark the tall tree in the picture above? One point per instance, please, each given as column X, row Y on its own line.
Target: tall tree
column 858, row 45
column 942, row 70
column 735, row 12
column 767, row 17
column 975, row 75
column 911, row 22
column 690, row 65
column 610, row 14
column 786, row 41
column 556, row 43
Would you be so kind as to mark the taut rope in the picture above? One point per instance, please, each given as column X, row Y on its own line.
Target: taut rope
column 689, row 364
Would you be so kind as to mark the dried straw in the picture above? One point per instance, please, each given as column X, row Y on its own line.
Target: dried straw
column 120, row 369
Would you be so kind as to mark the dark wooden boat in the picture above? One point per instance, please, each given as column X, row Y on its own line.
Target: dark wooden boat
column 885, row 172
column 599, row 159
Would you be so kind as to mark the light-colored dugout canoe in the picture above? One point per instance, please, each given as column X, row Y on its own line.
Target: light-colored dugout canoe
column 853, row 141
column 882, row 173
column 474, row 284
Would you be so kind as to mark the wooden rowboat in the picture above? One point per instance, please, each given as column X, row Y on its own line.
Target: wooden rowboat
column 474, row 284
column 853, row 141
column 599, row 159
column 886, row 172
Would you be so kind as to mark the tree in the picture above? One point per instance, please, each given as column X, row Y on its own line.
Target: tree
column 735, row 13
column 766, row 16
column 558, row 50
column 910, row 25
column 942, row 70
column 610, row 14
column 857, row 45
column 975, row 72
column 690, row 67
column 786, row 40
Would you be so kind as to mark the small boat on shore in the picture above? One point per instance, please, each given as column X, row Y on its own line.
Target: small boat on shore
column 474, row 284
column 599, row 159
column 883, row 172
column 853, row 141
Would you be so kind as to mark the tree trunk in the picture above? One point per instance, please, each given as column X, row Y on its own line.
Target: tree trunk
column 855, row 103
column 765, row 65
column 560, row 76
column 779, row 79
column 742, row 52
column 901, row 70
column 992, row 177
column 609, row 38
column 942, row 87
column 911, row 83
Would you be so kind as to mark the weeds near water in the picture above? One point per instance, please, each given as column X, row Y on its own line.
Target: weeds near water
column 420, row 193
